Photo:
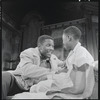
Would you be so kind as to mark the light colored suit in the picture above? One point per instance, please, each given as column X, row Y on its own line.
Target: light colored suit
column 29, row 70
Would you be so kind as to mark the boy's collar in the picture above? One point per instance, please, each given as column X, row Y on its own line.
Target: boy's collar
column 77, row 45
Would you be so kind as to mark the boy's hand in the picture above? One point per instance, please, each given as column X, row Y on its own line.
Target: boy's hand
column 63, row 70
column 62, row 65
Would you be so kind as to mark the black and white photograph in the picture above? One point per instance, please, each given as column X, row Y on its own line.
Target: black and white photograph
column 49, row 49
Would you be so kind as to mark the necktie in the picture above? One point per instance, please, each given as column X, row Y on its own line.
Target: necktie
column 48, row 63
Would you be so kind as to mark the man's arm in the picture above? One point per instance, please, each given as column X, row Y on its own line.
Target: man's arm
column 29, row 68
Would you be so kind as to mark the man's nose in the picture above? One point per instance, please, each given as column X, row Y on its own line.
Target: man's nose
column 51, row 48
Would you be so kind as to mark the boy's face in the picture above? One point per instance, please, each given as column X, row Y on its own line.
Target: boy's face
column 47, row 48
column 67, row 41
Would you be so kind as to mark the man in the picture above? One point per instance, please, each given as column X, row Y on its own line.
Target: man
column 35, row 64
column 78, row 60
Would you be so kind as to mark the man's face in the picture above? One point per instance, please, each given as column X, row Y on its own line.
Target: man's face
column 66, row 42
column 47, row 48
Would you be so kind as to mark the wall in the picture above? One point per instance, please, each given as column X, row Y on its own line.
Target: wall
column 10, row 44
column 31, row 30
column 92, row 35
column 95, row 36
column 6, row 48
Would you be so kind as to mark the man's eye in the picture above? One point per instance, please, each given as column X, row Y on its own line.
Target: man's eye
column 48, row 45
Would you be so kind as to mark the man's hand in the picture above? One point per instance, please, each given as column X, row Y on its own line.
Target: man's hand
column 41, row 79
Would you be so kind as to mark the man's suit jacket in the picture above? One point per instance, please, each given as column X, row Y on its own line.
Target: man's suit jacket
column 29, row 70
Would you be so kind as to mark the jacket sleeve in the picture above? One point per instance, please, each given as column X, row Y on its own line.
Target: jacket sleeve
column 28, row 67
column 58, row 62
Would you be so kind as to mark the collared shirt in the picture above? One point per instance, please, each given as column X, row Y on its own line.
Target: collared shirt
column 78, row 56
column 44, row 62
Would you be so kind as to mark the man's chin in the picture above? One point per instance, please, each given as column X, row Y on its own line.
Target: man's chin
column 48, row 55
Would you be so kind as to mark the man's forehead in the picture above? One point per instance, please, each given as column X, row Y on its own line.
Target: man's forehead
column 48, row 40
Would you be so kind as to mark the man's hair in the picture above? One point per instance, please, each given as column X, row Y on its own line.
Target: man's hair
column 42, row 38
column 73, row 30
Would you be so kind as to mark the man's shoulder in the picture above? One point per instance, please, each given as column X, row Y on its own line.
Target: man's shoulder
column 30, row 51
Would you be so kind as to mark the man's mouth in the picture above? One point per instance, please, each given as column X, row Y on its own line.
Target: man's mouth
column 49, row 52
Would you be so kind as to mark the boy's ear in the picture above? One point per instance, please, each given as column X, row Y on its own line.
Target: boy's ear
column 69, row 37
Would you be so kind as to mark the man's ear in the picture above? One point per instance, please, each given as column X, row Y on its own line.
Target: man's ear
column 39, row 45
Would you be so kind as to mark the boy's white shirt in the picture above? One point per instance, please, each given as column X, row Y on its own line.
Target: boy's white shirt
column 78, row 56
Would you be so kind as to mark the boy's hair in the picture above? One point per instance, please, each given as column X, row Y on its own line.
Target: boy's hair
column 42, row 38
column 73, row 30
